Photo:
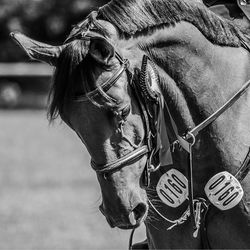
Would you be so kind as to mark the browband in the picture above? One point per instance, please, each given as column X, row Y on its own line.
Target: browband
column 106, row 85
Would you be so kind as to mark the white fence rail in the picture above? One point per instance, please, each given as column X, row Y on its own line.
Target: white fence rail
column 25, row 70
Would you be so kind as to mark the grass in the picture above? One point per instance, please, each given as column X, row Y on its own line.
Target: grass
column 49, row 195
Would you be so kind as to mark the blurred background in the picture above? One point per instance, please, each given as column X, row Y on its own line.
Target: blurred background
column 49, row 196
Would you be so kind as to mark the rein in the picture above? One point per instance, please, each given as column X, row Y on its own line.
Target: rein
column 195, row 131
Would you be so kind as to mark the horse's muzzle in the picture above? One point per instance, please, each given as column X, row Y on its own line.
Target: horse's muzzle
column 130, row 221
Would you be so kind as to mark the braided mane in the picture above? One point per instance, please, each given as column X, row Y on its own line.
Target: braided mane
column 135, row 16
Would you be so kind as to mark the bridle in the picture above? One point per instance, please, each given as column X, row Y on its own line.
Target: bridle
column 149, row 143
column 147, row 147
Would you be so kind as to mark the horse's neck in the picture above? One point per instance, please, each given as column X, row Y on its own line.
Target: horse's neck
column 197, row 79
column 209, row 75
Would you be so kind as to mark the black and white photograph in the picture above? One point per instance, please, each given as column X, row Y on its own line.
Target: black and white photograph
column 124, row 124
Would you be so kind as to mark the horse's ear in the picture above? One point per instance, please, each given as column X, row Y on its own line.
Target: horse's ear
column 101, row 50
column 37, row 50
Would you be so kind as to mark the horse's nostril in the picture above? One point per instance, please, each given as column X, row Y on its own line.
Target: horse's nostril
column 139, row 212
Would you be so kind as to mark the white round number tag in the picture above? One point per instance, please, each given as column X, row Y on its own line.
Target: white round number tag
column 224, row 191
column 172, row 188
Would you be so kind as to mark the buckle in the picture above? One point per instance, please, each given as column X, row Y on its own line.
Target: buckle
column 172, row 188
column 224, row 191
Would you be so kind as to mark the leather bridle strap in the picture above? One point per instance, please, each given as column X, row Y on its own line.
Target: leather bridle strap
column 220, row 111
column 106, row 85
column 121, row 162
column 112, row 80
column 135, row 154
column 244, row 169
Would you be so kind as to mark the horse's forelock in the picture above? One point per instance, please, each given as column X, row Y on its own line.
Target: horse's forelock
column 68, row 72
column 75, row 51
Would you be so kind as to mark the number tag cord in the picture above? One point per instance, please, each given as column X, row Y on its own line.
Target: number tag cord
column 172, row 189
column 190, row 181
column 199, row 207
column 130, row 244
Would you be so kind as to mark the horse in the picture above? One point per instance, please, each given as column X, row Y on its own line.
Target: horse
column 157, row 91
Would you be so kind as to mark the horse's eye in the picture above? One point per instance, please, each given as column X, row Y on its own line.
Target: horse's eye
column 122, row 114
column 125, row 112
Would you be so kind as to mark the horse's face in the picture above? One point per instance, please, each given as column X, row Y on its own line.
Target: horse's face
column 111, row 131
column 109, row 125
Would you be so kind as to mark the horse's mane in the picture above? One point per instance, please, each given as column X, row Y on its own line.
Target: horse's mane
column 135, row 16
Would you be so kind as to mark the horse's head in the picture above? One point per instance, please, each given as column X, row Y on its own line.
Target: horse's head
column 93, row 95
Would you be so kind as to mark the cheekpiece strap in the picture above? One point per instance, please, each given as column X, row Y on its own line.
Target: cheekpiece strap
column 244, row 169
